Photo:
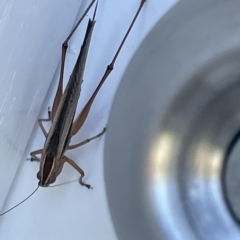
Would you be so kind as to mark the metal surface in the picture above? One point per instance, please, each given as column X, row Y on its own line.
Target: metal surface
column 173, row 118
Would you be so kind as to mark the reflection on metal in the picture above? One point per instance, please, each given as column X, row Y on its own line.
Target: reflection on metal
column 207, row 151
column 160, row 155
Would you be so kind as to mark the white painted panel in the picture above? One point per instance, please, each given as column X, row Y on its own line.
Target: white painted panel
column 30, row 36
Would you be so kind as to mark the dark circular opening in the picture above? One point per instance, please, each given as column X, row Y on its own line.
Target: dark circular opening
column 231, row 176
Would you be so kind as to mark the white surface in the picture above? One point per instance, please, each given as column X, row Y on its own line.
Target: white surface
column 71, row 211
column 30, row 35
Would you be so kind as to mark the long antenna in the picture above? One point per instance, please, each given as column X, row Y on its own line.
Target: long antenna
column 10, row 209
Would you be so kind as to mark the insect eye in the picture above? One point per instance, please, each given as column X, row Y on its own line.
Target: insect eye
column 38, row 175
column 52, row 180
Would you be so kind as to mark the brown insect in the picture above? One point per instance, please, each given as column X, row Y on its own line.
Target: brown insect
column 64, row 108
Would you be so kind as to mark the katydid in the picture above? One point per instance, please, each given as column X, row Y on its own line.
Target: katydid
column 64, row 108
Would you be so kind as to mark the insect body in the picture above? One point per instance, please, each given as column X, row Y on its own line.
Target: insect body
column 64, row 108
column 63, row 127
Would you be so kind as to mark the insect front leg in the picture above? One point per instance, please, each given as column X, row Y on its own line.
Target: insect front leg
column 74, row 165
column 34, row 155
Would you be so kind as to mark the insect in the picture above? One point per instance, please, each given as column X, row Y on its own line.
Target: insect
column 64, row 108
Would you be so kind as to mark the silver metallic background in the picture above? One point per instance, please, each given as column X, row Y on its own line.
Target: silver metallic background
column 174, row 116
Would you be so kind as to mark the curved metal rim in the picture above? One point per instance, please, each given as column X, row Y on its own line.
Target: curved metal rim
column 140, row 197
